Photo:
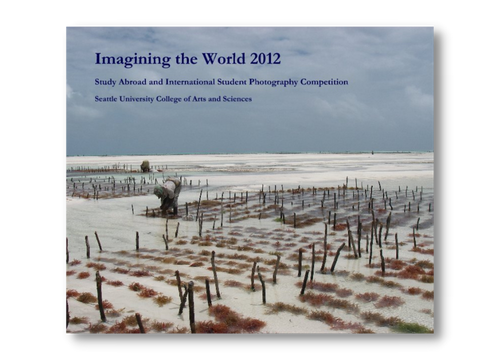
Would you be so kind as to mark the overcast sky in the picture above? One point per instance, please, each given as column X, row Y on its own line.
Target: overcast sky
column 387, row 106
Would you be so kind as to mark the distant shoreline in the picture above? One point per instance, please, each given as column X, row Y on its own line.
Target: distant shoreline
column 266, row 153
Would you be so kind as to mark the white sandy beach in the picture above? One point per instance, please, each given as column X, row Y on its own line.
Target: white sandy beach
column 356, row 297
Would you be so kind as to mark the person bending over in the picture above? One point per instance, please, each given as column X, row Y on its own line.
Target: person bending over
column 168, row 193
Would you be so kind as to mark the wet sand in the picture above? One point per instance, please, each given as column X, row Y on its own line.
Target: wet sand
column 369, row 291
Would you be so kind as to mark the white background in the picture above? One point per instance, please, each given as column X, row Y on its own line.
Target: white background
column 34, row 148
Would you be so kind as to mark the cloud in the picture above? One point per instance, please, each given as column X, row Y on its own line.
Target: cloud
column 69, row 92
column 389, row 71
column 349, row 108
column 418, row 98
column 83, row 113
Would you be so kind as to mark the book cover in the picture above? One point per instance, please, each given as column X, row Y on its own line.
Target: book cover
column 250, row 180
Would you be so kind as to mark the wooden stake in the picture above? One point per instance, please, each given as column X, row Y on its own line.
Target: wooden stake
column 313, row 260
column 382, row 262
column 88, row 246
column 380, row 235
column 253, row 276
column 98, row 242
column 67, row 251
column 137, row 240
column 371, row 248
column 183, row 300
column 139, row 323
column 388, row 224
column 300, row 262
column 191, row 307
column 332, row 269
column 304, row 283
column 207, row 288
column 351, row 240
column 166, row 242
column 166, row 227
column 198, row 208
column 179, row 288
column 215, row 275
column 221, row 213
column 200, row 225
column 397, row 246
column 276, row 268
column 360, row 227
column 67, row 313
column 98, row 280
column 263, row 286
column 325, row 251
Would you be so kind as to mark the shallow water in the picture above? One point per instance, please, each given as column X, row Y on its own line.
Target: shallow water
column 235, row 174
column 242, row 172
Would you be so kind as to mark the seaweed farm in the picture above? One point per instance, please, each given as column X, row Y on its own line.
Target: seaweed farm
column 270, row 243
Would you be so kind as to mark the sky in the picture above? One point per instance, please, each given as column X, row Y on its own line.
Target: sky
column 387, row 105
